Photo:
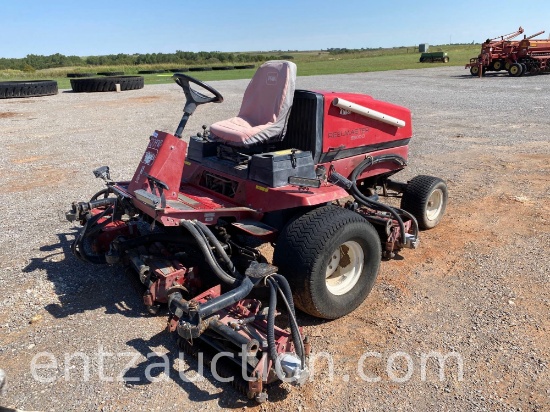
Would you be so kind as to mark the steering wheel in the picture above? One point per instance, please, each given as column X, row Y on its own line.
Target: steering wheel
column 193, row 98
column 192, row 95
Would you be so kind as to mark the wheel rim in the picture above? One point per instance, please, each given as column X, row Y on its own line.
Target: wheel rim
column 497, row 65
column 434, row 205
column 475, row 70
column 514, row 70
column 344, row 268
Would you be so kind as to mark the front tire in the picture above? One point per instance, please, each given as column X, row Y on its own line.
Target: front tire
column 331, row 257
column 426, row 199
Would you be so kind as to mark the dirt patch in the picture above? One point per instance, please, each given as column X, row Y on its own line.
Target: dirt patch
column 29, row 159
column 7, row 115
column 39, row 177
column 143, row 99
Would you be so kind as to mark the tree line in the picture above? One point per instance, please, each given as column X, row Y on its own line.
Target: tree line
column 37, row 62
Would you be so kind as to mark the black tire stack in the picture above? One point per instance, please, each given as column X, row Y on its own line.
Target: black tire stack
column 110, row 74
column 74, row 75
column 107, row 84
column 29, row 88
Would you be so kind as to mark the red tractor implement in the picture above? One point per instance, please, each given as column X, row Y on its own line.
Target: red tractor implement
column 530, row 57
column 303, row 170
column 517, row 57
column 493, row 54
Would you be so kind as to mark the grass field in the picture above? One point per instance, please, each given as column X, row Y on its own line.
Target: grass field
column 309, row 63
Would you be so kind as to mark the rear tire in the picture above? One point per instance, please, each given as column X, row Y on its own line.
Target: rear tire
column 523, row 69
column 515, row 70
column 331, row 257
column 426, row 199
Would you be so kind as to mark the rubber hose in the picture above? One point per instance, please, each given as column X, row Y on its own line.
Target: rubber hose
column 272, row 349
column 286, row 294
column 219, row 248
column 412, row 218
column 218, row 271
column 366, row 201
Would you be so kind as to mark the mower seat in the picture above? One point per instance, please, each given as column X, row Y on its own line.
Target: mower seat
column 265, row 108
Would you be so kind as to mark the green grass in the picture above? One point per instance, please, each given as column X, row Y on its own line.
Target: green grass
column 309, row 63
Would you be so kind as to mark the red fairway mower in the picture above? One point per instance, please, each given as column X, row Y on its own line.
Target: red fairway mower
column 301, row 169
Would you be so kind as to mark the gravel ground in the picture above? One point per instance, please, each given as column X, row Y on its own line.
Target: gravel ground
column 477, row 288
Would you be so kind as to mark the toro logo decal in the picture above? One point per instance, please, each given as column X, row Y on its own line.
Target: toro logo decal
column 148, row 158
column 272, row 78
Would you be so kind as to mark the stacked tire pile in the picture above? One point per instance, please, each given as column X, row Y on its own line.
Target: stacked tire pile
column 28, row 88
column 107, row 83
column 203, row 69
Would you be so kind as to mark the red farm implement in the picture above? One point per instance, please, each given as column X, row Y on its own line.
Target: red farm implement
column 525, row 56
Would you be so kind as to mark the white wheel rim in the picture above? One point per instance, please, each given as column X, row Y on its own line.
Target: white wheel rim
column 344, row 268
column 435, row 204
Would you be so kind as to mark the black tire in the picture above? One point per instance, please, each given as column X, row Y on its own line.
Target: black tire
column 524, row 69
column 200, row 69
column 223, row 68
column 422, row 60
column 181, row 70
column 497, row 65
column 80, row 74
column 421, row 193
column 29, row 88
column 474, row 70
column 107, row 84
column 151, row 71
column 305, row 249
column 102, row 194
column 515, row 70
column 110, row 74
column 245, row 66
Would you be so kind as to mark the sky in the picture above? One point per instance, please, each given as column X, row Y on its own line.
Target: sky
column 85, row 28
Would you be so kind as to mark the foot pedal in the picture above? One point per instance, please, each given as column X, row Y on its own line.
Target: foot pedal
column 255, row 228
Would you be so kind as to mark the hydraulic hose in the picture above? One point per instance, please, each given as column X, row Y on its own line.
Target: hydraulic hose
column 412, row 218
column 272, row 349
column 286, row 295
column 207, row 252
column 361, row 198
column 219, row 248
column 227, row 299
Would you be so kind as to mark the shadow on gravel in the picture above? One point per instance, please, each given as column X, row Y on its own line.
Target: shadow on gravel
column 485, row 76
column 171, row 364
column 81, row 287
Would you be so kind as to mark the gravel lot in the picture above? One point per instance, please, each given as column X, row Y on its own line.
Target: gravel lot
column 478, row 286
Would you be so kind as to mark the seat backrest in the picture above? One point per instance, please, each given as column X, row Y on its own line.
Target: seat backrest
column 265, row 107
